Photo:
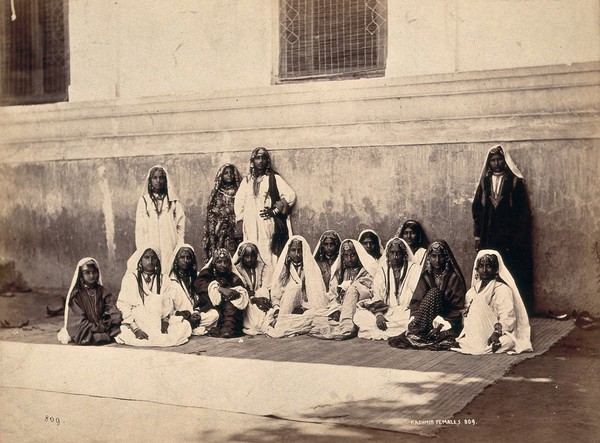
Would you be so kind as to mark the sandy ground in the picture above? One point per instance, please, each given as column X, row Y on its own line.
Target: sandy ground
column 555, row 397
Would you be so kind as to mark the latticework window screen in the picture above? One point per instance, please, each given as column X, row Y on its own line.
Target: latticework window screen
column 34, row 54
column 332, row 38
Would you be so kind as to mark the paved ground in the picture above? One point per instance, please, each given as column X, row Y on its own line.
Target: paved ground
column 555, row 397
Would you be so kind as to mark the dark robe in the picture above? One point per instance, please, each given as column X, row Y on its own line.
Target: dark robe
column 325, row 267
column 231, row 319
column 452, row 298
column 504, row 225
column 93, row 320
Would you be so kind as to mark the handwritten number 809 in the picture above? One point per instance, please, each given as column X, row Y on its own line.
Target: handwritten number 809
column 53, row 420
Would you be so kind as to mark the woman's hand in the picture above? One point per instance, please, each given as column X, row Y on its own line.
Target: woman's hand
column 140, row 335
column 381, row 323
column 164, row 326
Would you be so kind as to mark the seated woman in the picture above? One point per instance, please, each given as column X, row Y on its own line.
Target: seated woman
column 413, row 234
column 179, row 287
column 91, row 317
column 256, row 277
column 371, row 242
column 297, row 289
column 146, row 310
column 220, row 286
column 326, row 252
column 387, row 314
column 495, row 319
column 437, row 303
column 219, row 231
column 351, row 282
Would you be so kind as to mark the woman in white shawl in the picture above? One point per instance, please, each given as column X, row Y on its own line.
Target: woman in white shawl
column 256, row 276
column 159, row 219
column 371, row 241
column 351, row 281
column 262, row 207
column 179, row 287
column 413, row 234
column 495, row 319
column 146, row 310
column 387, row 314
column 297, row 289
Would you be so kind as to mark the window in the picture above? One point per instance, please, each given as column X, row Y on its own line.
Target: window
column 34, row 60
column 332, row 39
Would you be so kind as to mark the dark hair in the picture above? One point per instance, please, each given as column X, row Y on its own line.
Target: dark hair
column 157, row 272
column 375, row 237
column 418, row 228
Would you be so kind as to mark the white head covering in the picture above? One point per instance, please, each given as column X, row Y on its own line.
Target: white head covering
column 510, row 164
column 170, row 187
column 315, row 288
column 237, row 257
column 413, row 272
column 368, row 262
column 409, row 254
column 218, row 251
column 132, row 262
column 370, row 231
column 168, row 265
column 63, row 334
column 326, row 234
column 522, row 330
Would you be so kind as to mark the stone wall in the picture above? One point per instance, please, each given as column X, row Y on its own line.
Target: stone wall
column 358, row 155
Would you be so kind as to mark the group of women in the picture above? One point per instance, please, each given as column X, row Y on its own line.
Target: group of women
column 259, row 278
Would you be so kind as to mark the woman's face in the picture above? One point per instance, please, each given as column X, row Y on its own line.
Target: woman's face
column 90, row 275
column 328, row 247
column 410, row 236
column 158, row 180
column 250, row 259
column 149, row 261
column 222, row 265
column 486, row 270
column 261, row 161
column 369, row 242
column 497, row 163
column 437, row 258
column 395, row 256
column 228, row 176
column 185, row 260
column 295, row 252
column 350, row 257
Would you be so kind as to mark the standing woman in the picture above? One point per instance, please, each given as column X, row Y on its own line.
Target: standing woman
column 262, row 207
column 219, row 231
column 502, row 218
column 413, row 234
column 495, row 319
column 160, row 219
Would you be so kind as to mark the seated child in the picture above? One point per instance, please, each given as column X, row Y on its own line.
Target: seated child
column 91, row 317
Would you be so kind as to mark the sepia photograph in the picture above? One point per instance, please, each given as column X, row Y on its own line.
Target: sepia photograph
column 299, row 220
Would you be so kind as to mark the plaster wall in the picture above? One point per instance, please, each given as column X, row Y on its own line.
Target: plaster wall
column 364, row 156
column 144, row 48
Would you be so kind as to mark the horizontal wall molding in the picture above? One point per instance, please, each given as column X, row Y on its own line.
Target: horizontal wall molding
column 558, row 102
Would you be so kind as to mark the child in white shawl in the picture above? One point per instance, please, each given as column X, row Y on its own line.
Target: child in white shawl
column 495, row 319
